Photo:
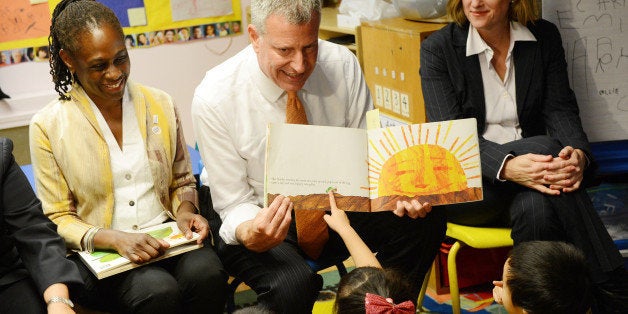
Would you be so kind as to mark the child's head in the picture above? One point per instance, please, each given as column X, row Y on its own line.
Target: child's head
column 546, row 277
column 386, row 283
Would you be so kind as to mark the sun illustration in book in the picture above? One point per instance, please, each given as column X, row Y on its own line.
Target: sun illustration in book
column 431, row 161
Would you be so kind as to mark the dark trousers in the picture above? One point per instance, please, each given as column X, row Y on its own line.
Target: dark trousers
column 533, row 215
column 285, row 283
column 193, row 282
column 21, row 297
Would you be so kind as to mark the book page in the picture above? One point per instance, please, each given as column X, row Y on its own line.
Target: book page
column 303, row 161
column 107, row 263
column 436, row 162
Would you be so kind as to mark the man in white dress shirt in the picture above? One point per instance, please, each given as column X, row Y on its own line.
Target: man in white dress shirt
column 231, row 109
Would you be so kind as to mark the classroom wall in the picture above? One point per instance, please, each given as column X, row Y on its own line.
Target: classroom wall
column 175, row 68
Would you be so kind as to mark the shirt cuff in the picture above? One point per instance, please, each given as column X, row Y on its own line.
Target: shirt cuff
column 502, row 167
column 234, row 218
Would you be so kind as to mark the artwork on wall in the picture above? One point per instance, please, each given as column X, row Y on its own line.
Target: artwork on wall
column 24, row 38
column 191, row 9
column 25, row 20
column 20, row 55
column 129, row 12
column 595, row 43
column 182, row 34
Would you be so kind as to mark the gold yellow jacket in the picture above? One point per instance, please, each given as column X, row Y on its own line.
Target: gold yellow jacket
column 71, row 160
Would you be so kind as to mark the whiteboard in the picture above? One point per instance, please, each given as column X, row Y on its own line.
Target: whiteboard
column 595, row 39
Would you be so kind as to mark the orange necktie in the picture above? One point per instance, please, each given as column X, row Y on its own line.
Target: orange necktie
column 312, row 231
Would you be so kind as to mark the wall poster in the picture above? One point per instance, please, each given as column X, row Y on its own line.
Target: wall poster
column 146, row 23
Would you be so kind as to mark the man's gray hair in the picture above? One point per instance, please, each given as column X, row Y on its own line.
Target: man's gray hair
column 295, row 11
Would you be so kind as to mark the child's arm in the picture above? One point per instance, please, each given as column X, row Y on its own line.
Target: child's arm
column 338, row 221
column 498, row 291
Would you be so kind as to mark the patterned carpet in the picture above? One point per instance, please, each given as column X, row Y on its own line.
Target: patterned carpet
column 479, row 300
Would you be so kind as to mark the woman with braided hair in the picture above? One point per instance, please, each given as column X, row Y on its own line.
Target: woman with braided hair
column 109, row 158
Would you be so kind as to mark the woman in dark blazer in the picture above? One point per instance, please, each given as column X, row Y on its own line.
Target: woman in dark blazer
column 34, row 273
column 501, row 64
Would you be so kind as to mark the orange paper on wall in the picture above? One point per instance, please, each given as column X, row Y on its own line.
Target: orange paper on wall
column 26, row 20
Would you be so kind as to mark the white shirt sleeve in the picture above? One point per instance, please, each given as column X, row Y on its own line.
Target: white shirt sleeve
column 232, row 196
column 502, row 167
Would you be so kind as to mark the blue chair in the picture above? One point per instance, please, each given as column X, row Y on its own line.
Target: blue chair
column 28, row 171
column 622, row 245
column 196, row 163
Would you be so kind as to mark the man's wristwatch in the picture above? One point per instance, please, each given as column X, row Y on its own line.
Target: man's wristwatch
column 65, row 301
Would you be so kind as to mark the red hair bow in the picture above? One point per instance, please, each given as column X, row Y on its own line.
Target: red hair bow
column 376, row 304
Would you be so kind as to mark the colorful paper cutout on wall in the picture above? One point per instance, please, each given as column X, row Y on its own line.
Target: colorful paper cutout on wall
column 191, row 9
column 153, row 20
column 121, row 9
column 21, row 20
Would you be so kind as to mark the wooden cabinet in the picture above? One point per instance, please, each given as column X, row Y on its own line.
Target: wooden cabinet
column 329, row 29
column 390, row 54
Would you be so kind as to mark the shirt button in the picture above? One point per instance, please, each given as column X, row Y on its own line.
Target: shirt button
column 127, row 176
column 135, row 227
column 131, row 203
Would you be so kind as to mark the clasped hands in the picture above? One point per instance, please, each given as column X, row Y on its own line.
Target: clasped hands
column 141, row 247
column 270, row 226
column 547, row 174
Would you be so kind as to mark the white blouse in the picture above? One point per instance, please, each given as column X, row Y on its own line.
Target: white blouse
column 502, row 122
column 136, row 206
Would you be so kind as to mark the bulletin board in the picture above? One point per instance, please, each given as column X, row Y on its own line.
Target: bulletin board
column 595, row 39
column 23, row 24
column 161, row 14
column 28, row 22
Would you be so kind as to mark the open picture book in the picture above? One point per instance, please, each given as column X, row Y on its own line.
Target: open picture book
column 107, row 263
column 370, row 170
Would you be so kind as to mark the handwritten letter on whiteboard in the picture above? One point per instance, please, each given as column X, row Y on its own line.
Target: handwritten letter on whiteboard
column 595, row 38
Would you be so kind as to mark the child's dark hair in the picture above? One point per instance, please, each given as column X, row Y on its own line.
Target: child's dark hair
column 549, row 277
column 70, row 19
column 354, row 286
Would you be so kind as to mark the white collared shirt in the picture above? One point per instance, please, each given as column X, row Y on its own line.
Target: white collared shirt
column 135, row 204
column 232, row 107
column 502, row 123
column 500, row 97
